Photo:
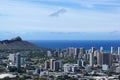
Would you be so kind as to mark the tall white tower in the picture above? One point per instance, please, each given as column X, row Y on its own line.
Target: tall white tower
column 112, row 50
column 100, row 56
column 92, row 56
column 18, row 61
column 119, row 53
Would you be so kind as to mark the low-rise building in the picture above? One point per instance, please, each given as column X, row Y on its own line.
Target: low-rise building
column 70, row 68
column 105, row 67
column 10, row 76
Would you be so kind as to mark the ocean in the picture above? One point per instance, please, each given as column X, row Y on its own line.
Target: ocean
column 87, row 44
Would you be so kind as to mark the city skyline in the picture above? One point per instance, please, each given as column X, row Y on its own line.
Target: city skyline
column 48, row 19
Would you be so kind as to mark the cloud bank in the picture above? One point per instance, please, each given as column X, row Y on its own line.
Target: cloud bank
column 88, row 16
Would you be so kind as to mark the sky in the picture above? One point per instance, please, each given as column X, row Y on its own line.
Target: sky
column 60, row 19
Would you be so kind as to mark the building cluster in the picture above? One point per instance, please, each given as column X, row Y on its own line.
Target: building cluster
column 53, row 65
column 94, row 58
column 15, row 61
column 90, row 64
column 71, row 52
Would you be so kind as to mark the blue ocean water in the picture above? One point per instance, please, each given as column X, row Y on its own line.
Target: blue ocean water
column 87, row 44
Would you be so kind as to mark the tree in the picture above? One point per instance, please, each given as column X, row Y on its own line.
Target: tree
column 6, row 78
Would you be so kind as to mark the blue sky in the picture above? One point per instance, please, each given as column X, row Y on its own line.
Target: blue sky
column 60, row 19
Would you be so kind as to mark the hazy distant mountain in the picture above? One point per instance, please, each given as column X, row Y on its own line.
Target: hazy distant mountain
column 17, row 43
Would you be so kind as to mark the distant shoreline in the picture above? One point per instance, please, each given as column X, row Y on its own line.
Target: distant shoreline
column 87, row 44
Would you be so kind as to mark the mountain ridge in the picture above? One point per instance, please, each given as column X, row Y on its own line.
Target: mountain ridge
column 17, row 43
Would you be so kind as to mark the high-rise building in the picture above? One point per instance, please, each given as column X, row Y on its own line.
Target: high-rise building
column 22, row 60
column 114, row 57
column 112, row 53
column 119, row 53
column 76, row 53
column 95, row 57
column 12, row 58
column 92, row 56
column 18, row 60
column 80, row 63
column 107, row 59
column 49, row 54
column 91, row 59
column 51, row 63
column 112, row 50
column 99, row 58
column 101, row 49
column 61, row 64
column 87, row 55
column 57, row 53
column 61, row 55
column 93, row 49
column 57, row 66
column 47, row 64
column 81, row 52
column 71, row 52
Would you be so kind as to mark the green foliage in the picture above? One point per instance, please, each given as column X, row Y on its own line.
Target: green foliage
column 68, row 60
column 40, row 79
column 43, row 79
column 30, row 68
column 4, row 64
column 6, row 78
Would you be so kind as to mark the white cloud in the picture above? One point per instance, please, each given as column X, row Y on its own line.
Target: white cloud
column 88, row 3
column 24, row 16
column 58, row 13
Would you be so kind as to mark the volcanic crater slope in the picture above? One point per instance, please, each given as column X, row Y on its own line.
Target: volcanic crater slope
column 17, row 43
